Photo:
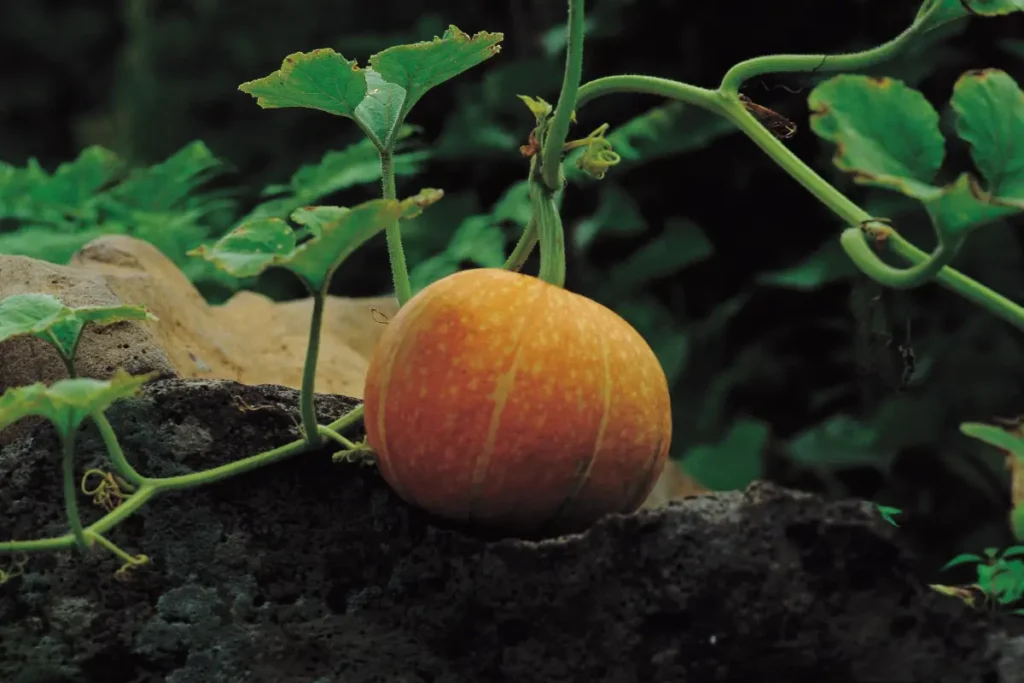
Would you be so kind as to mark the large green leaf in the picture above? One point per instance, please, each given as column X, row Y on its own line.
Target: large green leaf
column 418, row 67
column 334, row 234
column 67, row 402
column 321, row 79
column 682, row 244
column 46, row 317
column 885, row 133
column 379, row 97
column 990, row 117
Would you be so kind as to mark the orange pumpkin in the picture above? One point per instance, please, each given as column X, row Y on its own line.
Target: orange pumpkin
column 498, row 399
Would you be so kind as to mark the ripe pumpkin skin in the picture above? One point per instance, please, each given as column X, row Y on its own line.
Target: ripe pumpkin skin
column 496, row 398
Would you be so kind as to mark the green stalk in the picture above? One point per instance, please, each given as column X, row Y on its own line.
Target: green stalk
column 552, row 236
column 307, row 400
column 558, row 128
column 347, row 420
column 524, row 247
column 841, row 205
column 855, row 61
column 396, row 253
column 231, row 469
column 337, row 438
column 71, row 491
column 117, row 459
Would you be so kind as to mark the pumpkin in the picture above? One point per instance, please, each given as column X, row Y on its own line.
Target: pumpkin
column 498, row 399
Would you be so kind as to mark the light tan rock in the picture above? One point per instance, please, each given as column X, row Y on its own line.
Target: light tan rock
column 251, row 338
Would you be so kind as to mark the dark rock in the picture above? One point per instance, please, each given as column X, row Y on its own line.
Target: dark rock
column 312, row 572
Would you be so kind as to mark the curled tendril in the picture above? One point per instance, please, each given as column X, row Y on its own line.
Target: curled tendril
column 109, row 492
column 361, row 455
column 598, row 155
column 124, row 573
column 16, row 568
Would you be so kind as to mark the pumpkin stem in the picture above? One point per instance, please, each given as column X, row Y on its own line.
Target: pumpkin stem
column 549, row 229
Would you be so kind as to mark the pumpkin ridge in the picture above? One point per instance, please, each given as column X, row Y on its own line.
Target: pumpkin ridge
column 405, row 342
column 583, row 473
column 501, row 394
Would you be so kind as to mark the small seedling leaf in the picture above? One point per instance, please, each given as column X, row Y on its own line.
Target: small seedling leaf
column 889, row 513
column 382, row 109
column 334, row 233
column 418, row 67
column 990, row 117
column 46, row 317
column 67, row 402
column 886, row 134
column 995, row 436
column 321, row 79
column 963, row 558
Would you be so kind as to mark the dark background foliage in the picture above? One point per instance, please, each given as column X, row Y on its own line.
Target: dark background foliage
column 784, row 362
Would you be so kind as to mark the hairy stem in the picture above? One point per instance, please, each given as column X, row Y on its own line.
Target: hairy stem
column 347, row 420
column 558, row 129
column 231, row 469
column 337, row 438
column 307, row 402
column 550, row 232
column 863, row 256
column 524, row 247
column 396, row 253
column 837, row 202
column 117, row 459
column 856, row 61
column 71, row 491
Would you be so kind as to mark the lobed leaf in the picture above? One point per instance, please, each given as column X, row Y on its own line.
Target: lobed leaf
column 418, row 67
column 886, row 134
column 334, row 233
column 990, row 117
column 67, row 402
column 379, row 97
column 321, row 79
column 46, row 317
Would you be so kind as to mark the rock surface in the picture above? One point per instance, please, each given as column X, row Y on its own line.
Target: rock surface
column 311, row 572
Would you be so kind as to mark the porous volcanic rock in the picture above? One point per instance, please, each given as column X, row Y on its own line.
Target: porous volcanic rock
column 312, row 572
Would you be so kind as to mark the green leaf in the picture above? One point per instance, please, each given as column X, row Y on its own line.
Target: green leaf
column 67, row 402
column 382, row 109
column 72, row 184
column 321, row 79
column 886, row 134
column 995, row 436
column 479, row 240
column 336, row 232
column 682, row 244
column 379, row 97
column 826, row 265
column 889, row 513
column 733, row 462
column 963, row 558
column 418, row 67
column 337, row 170
column 838, row 441
column 617, row 214
column 47, row 318
column 990, row 117
column 946, row 11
